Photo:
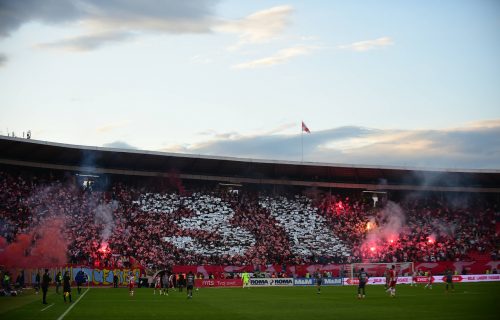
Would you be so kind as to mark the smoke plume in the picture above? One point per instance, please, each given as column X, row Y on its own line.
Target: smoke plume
column 104, row 217
column 386, row 225
column 45, row 246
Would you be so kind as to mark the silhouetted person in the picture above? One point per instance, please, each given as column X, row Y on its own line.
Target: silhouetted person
column 190, row 284
column 59, row 280
column 181, row 282
column 115, row 281
column 80, row 279
column 66, row 286
column 21, row 280
column 6, row 281
column 37, row 282
column 18, row 282
column 45, row 285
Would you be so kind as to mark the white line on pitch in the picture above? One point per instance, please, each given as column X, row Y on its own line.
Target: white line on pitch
column 71, row 306
column 47, row 307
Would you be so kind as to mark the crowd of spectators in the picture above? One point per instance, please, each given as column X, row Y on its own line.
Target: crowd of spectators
column 432, row 229
column 307, row 230
column 123, row 224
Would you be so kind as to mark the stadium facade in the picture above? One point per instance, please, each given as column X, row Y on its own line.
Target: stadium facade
column 18, row 152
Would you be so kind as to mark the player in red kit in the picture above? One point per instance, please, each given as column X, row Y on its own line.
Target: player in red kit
column 131, row 282
column 392, row 281
column 414, row 278
column 430, row 280
column 157, row 284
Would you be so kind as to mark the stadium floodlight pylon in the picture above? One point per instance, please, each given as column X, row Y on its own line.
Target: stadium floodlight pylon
column 378, row 269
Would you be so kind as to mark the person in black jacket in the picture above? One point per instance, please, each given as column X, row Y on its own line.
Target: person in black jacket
column 67, row 286
column 80, row 279
column 37, row 282
column 45, row 285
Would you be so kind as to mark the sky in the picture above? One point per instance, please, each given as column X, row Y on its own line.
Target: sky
column 377, row 82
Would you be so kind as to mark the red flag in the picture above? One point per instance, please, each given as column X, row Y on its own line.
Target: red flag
column 305, row 128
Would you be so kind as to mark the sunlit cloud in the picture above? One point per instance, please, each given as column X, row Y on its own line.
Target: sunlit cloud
column 103, row 23
column 86, row 42
column 111, row 126
column 259, row 27
column 285, row 127
column 368, row 44
column 280, row 57
column 201, row 59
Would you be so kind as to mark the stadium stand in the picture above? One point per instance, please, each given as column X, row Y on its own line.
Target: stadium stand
column 218, row 227
column 126, row 216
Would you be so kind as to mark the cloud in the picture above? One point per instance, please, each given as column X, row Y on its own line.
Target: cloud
column 87, row 42
column 470, row 147
column 111, row 20
column 281, row 128
column 14, row 13
column 119, row 145
column 368, row 44
column 259, row 27
column 3, row 59
column 111, row 126
column 280, row 57
column 167, row 15
column 201, row 59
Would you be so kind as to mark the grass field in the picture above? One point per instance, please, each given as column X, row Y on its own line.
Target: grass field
column 469, row 301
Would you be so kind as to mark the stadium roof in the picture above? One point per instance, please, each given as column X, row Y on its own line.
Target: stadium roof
column 85, row 159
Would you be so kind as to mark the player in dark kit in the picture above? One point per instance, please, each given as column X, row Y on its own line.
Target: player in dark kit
column 318, row 278
column 180, row 282
column 363, row 279
column 190, row 284
column 449, row 281
column 164, row 284
column 67, row 287
column 37, row 282
column 45, row 285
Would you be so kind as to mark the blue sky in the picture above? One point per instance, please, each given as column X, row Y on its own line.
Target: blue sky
column 378, row 82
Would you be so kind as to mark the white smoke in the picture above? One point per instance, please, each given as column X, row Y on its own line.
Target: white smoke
column 443, row 228
column 389, row 223
column 105, row 218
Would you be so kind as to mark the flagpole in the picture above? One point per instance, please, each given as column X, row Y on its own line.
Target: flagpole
column 302, row 141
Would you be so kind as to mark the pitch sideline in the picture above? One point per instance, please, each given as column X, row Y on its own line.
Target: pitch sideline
column 74, row 304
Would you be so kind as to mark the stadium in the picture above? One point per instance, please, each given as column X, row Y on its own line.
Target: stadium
column 224, row 159
column 114, row 212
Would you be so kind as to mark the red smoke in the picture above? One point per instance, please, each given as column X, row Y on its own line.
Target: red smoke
column 45, row 246
column 176, row 181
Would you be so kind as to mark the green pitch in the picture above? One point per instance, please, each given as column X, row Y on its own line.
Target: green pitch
column 469, row 301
